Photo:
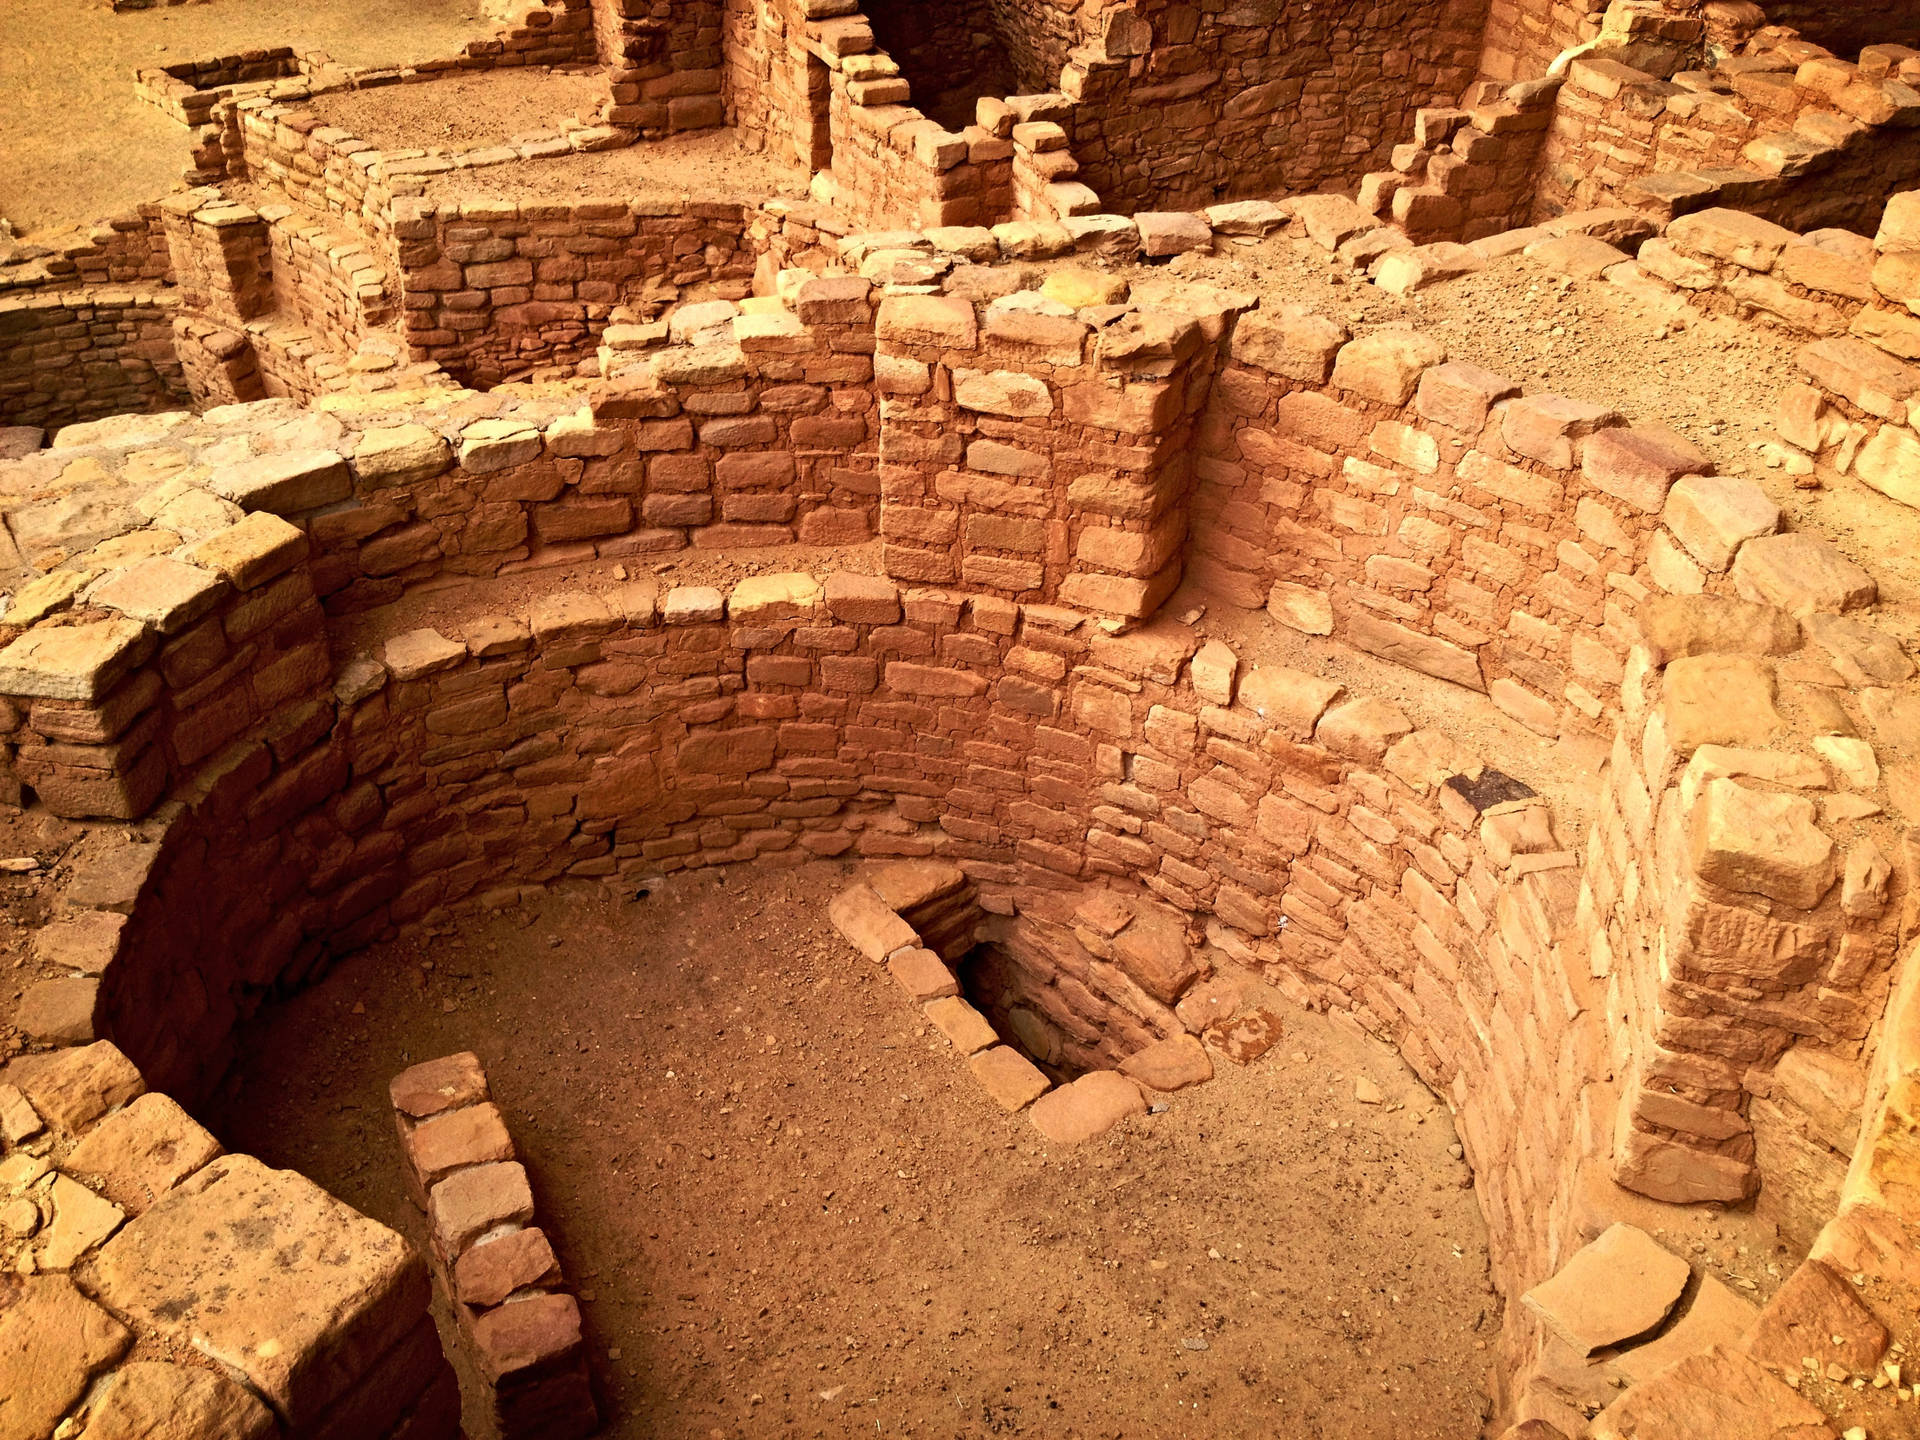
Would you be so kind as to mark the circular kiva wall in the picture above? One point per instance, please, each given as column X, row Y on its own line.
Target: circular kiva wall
column 1610, row 1011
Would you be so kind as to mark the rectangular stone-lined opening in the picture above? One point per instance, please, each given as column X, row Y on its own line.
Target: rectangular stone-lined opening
column 951, row 52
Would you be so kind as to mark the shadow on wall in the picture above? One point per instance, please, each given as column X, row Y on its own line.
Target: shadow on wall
column 952, row 52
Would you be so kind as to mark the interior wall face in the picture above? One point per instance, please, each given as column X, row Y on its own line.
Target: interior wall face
column 951, row 52
column 1269, row 97
column 1844, row 26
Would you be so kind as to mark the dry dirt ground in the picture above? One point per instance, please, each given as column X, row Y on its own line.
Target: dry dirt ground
column 790, row 1210
column 465, row 111
column 77, row 146
column 706, row 164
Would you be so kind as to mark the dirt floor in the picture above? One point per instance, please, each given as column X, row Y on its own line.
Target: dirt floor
column 466, row 111
column 706, row 164
column 790, row 1210
column 78, row 147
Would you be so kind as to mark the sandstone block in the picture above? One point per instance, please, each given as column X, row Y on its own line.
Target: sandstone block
column 1890, row 463
column 1761, row 843
column 1801, row 574
column 1640, row 465
column 1290, row 341
column 1679, row 625
column 1417, row 267
column 1426, row 653
column 73, row 662
column 1713, row 516
column 1301, row 608
column 1613, row 1290
column 1090, row 1106
column 1386, row 366
column 868, row 923
column 419, row 653
column 161, row 592
column 1746, row 240
column 437, row 1085
column 1719, row 1393
column 1009, row 1077
column 59, row 1012
column 1862, row 373
column 1549, row 428
column 472, row 1135
column 284, row 484
column 759, row 599
column 1461, row 395
column 143, row 1151
column 1806, row 1317
column 150, row 1400
column 1154, row 953
column 1170, row 1064
column 494, row 1269
column 1001, row 392
column 73, row 1088
column 252, row 552
column 922, row 974
column 490, row 445
column 1291, row 701
column 1172, row 232
column 965, row 1027
column 1718, row 700
column 400, row 455
column 207, row 1265
column 514, row 1343
column 53, row 1341
column 927, row 320
column 468, row 1203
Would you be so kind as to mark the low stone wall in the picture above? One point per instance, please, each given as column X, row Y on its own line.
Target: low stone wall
column 128, row 249
column 492, row 289
column 517, row 1317
column 190, row 90
column 130, row 1239
column 74, row 355
column 1786, row 131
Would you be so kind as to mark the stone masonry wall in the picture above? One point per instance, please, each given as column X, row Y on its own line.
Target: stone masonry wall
column 74, row 355
column 1179, row 108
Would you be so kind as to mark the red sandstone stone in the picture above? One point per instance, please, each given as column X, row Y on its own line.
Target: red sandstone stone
column 436, row 1085
column 491, row 1271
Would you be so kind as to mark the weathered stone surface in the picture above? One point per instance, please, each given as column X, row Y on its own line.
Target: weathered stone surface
column 1428, row 654
column 908, row 884
column 53, row 1341
column 436, row 1085
column 1801, row 574
column 1300, row 607
column 1817, row 1315
column 400, row 455
column 1170, row 1064
column 1663, row 1169
column 1862, row 373
column 1009, row 1077
column 81, row 1220
column 421, row 652
column 1156, row 956
column 1719, row 1393
column 73, row 1088
column 494, row 1269
column 1718, row 700
column 161, row 592
column 59, row 1012
column 1747, row 240
column 472, row 1135
column 251, row 553
column 965, row 1027
column 1090, row 1106
column 470, row 1202
column 1613, row 1290
column 1715, row 1316
column 868, row 923
column 531, row 1337
column 73, row 662
column 1291, row 701
column 922, row 974
column 1172, row 232
column 1761, row 843
column 209, row 1265
column 1290, row 341
column 149, row 1400
column 284, row 484
column 1681, row 625
column 1713, row 516
column 1386, row 365
column 143, row 1151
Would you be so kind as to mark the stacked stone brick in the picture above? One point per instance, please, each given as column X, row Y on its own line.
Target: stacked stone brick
column 69, row 356
column 131, row 1239
column 519, row 1322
